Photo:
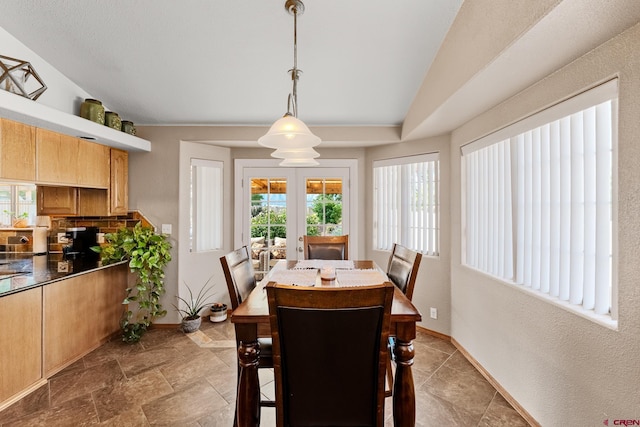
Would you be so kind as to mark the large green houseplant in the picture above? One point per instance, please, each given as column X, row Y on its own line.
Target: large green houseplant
column 148, row 254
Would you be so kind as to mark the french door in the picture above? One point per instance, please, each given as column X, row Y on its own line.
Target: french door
column 280, row 205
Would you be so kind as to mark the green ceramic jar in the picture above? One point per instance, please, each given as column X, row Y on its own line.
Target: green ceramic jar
column 92, row 109
column 112, row 120
column 128, row 127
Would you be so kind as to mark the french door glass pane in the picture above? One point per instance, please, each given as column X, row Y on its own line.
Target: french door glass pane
column 324, row 206
column 268, row 222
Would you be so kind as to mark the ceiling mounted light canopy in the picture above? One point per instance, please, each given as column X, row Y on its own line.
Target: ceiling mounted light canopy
column 289, row 136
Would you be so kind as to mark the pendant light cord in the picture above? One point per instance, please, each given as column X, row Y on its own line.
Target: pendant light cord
column 292, row 107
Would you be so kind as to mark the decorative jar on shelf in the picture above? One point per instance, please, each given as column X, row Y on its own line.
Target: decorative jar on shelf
column 112, row 120
column 92, row 109
column 128, row 127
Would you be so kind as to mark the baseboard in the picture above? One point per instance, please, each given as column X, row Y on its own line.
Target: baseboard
column 434, row 333
column 514, row 403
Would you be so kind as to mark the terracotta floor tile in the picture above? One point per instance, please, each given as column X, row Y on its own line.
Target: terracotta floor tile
column 75, row 412
column 126, row 395
column 461, row 389
column 186, row 406
column 80, row 383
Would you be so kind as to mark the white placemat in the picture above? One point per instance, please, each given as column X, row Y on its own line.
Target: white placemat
column 319, row 263
column 360, row 277
column 294, row 277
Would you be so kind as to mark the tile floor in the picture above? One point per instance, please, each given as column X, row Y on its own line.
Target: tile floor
column 171, row 379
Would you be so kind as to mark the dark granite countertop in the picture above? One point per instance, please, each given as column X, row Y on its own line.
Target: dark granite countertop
column 19, row 272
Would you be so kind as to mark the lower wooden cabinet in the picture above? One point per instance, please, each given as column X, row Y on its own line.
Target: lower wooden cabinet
column 80, row 313
column 21, row 338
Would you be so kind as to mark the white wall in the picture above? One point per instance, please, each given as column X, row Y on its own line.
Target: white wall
column 563, row 369
column 432, row 287
column 61, row 94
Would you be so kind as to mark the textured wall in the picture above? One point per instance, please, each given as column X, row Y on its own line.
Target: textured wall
column 562, row 368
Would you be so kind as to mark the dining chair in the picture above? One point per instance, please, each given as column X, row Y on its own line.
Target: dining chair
column 402, row 270
column 329, row 353
column 326, row 247
column 241, row 280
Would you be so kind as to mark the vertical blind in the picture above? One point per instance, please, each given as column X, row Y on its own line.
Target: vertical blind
column 406, row 203
column 206, row 205
column 538, row 205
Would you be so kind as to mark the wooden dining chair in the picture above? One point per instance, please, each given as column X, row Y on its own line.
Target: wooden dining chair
column 241, row 280
column 330, row 353
column 402, row 270
column 326, row 247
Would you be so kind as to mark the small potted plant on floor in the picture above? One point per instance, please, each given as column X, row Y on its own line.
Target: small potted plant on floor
column 218, row 312
column 190, row 308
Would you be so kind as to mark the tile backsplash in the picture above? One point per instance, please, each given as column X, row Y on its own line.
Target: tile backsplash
column 21, row 240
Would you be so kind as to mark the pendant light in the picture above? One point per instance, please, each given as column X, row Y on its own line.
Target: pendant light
column 289, row 136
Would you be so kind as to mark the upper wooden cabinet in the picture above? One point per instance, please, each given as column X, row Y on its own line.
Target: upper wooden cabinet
column 93, row 164
column 119, row 190
column 56, row 158
column 63, row 159
column 17, row 151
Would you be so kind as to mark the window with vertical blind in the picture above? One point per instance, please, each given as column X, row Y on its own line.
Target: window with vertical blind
column 406, row 203
column 538, row 200
column 206, row 205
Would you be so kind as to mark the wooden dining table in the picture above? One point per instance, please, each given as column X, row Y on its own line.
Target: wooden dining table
column 251, row 321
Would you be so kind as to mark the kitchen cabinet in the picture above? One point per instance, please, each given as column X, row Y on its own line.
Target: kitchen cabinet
column 81, row 313
column 93, row 164
column 119, row 189
column 21, row 338
column 56, row 158
column 53, row 200
column 17, row 151
column 57, row 200
column 92, row 202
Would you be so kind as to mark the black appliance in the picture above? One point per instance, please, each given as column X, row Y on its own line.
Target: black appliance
column 81, row 239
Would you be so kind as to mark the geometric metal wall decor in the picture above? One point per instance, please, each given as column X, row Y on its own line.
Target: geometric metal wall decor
column 16, row 75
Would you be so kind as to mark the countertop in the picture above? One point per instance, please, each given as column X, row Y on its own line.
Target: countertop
column 19, row 272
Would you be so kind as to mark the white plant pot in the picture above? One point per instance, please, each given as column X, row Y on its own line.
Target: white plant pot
column 218, row 313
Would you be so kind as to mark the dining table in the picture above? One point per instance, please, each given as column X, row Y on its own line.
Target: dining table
column 251, row 321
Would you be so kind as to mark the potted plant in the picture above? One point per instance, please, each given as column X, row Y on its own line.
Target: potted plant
column 218, row 312
column 191, row 319
column 148, row 254
column 18, row 220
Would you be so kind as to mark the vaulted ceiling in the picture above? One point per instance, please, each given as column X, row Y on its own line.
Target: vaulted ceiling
column 421, row 66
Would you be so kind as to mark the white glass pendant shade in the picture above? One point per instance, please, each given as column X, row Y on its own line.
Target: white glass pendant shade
column 295, row 153
column 299, row 162
column 289, row 133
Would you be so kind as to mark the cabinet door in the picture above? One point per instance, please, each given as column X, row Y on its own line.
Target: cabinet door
column 21, row 338
column 17, row 151
column 56, row 158
column 80, row 313
column 119, row 196
column 93, row 164
column 57, row 200
column 92, row 202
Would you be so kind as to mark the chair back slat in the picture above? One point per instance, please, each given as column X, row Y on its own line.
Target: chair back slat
column 326, row 247
column 403, row 268
column 239, row 274
column 330, row 353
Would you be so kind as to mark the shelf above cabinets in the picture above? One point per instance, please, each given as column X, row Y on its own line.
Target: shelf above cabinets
column 18, row 108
